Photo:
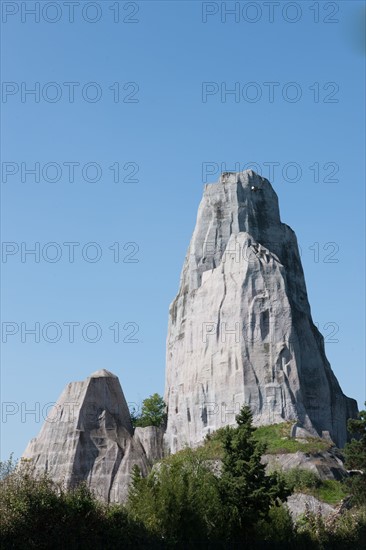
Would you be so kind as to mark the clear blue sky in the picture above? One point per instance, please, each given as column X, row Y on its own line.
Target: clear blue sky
column 168, row 134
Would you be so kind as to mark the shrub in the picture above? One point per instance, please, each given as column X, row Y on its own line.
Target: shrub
column 179, row 501
column 37, row 513
column 299, row 479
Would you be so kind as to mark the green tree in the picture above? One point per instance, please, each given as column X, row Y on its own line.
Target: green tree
column 246, row 491
column 152, row 412
column 185, row 502
column 355, row 454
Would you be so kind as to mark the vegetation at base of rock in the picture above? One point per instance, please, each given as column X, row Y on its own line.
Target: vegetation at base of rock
column 297, row 479
column 182, row 503
column 345, row 532
column 152, row 412
column 355, row 454
column 330, row 491
column 277, row 440
column 183, row 499
column 37, row 513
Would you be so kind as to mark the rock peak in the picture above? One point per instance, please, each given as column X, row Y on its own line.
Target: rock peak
column 88, row 436
column 240, row 328
column 102, row 373
column 245, row 177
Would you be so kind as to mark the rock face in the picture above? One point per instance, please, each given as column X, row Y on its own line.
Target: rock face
column 88, row 436
column 240, row 329
column 325, row 464
column 300, row 503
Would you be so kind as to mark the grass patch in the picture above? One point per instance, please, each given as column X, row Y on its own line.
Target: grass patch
column 276, row 437
column 211, row 450
column 300, row 480
column 330, row 491
column 278, row 440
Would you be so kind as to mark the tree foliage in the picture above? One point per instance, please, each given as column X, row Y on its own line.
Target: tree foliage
column 152, row 412
column 247, row 493
column 179, row 501
column 189, row 500
column 37, row 513
column 355, row 454
column 184, row 500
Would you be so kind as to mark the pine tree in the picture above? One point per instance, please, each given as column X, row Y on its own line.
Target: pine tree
column 355, row 453
column 246, row 492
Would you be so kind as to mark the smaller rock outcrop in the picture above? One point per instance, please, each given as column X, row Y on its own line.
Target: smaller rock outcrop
column 88, row 436
column 325, row 464
column 300, row 503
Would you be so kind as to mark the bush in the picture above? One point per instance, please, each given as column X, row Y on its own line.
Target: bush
column 37, row 513
column 299, row 479
column 278, row 527
column 179, row 501
column 345, row 532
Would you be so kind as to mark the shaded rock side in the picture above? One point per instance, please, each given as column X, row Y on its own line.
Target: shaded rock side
column 88, row 436
column 240, row 329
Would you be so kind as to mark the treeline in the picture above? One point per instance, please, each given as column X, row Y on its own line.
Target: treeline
column 187, row 502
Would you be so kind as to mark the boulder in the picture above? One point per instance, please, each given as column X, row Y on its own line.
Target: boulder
column 300, row 504
column 325, row 464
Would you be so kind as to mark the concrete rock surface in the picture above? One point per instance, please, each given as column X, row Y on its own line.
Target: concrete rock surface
column 240, row 332
column 325, row 464
column 240, row 329
column 300, row 503
column 88, row 436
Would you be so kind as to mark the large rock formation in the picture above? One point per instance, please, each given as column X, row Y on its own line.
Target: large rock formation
column 240, row 329
column 88, row 436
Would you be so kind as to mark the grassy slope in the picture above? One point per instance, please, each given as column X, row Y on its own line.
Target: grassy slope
column 277, row 439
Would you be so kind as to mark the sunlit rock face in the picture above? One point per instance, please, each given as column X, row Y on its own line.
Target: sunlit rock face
column 240, row 332
column 240, row 329
column 88, row 436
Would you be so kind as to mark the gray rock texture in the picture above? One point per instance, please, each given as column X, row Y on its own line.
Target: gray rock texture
column 300, row 503
column 325, row 464
column 88, row 436
column 240, row 329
